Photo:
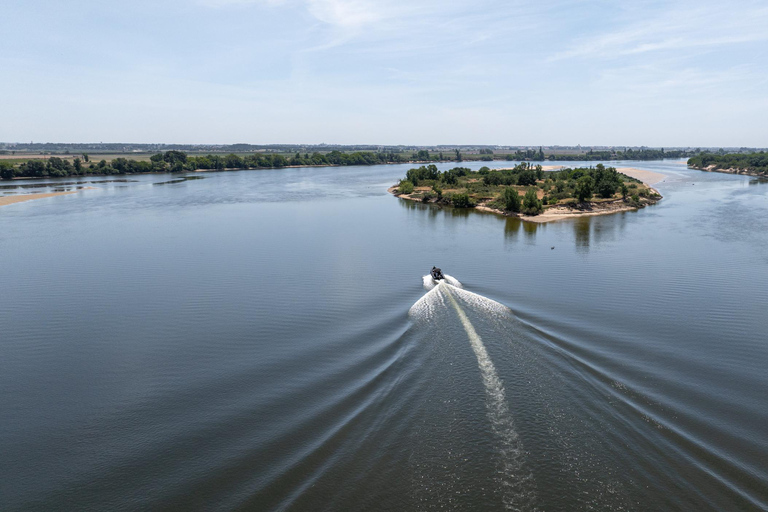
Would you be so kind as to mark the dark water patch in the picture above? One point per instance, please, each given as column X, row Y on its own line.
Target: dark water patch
column 179, row 180
column 63, row 183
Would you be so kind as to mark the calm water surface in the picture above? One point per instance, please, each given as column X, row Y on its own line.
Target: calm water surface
column 246, row 341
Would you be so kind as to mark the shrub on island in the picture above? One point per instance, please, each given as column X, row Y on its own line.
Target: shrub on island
column 405, row 187
column 461, row 201
column 511, row 200
column 531, row 203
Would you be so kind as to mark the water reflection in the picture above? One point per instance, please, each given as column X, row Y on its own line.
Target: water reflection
column 587, row 230
column 582, row 233
column 530, row 229
column 437, row 209
column 512, row 227
column 459, row 213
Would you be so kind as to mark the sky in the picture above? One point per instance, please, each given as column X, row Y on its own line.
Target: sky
column 507, row 72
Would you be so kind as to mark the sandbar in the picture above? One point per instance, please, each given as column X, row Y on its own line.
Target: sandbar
column 6, row 200
column 647, row 177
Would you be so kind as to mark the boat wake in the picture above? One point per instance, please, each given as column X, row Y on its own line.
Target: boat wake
column 515, row 480
column 429, row 283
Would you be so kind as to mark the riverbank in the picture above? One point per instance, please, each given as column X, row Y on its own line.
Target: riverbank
column 747, row 164
column 730, row 170
column 6, row 200
column 647, row 177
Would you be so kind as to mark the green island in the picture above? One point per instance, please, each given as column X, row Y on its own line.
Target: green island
column 753, row 164
column 528, row 191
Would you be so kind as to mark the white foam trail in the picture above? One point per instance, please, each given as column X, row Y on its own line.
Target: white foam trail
column 514, row 479
column 516, row 483
column 425, row 307
column 429, row 283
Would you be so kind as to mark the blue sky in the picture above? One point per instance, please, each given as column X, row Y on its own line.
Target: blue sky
column 691, row 73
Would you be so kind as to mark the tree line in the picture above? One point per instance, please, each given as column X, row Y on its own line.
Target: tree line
column 628, row 154
column 538, row 155
column 751, row 162
column 178, row 161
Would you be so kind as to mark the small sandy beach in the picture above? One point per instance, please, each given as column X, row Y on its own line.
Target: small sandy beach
column 6, row 200
column 563, row 212
column 647, row 177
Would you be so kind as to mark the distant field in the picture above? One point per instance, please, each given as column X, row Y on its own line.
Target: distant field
column 94, row 157
column 19, row 158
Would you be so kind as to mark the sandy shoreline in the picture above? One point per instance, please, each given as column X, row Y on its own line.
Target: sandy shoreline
column 6, row 200
column 647, row 177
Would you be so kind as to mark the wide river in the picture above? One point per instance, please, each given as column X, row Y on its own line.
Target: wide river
column 247, row 341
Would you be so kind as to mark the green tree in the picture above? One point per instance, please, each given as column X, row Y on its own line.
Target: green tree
column 174, row 156
column 511, row 200
column 624, row 191
column 607, row 187
column 405, row 187
column 458, row 155
column 527, row 178
column 449, row 177
column 531, row 203
column 233, row 161
column 437, row 190
column 6, row 171
column 35, row 168
column 584, row 188
column 461, row 201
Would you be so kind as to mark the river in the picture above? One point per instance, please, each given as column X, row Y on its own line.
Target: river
column 263, row 340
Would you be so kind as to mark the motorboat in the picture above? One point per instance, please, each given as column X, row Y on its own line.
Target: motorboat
column 437, row 274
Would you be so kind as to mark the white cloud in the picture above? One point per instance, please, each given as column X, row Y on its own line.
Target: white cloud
column 676, row 29
column 342, row 13
column 227, row 3
column 345, row 13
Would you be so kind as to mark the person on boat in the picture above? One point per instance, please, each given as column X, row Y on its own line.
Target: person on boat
column 437, row 273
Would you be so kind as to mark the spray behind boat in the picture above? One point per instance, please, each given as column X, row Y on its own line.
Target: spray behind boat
column 436, row 276
column 445, row 293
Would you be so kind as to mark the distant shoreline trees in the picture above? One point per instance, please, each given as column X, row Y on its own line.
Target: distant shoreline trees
column 756, row 163
column 178, row 161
